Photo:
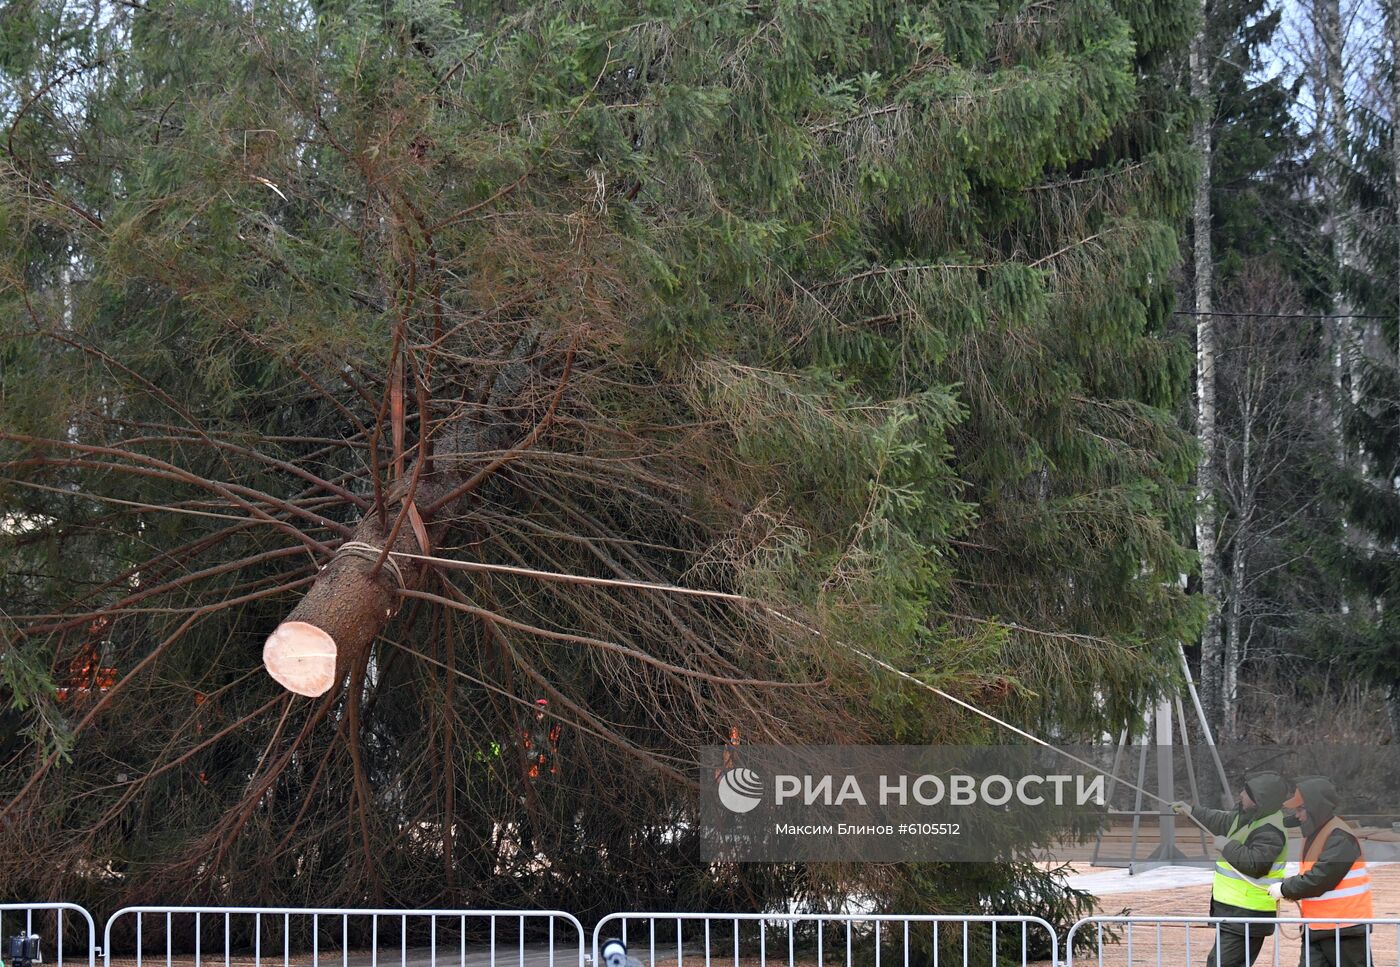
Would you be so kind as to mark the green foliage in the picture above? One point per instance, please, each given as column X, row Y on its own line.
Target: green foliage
column 1353, row 571
column 866, row 304
column 1260, row 204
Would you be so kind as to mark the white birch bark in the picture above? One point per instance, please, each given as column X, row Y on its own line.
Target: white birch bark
column 1207, row 528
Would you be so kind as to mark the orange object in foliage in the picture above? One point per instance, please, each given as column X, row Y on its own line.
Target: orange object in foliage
column 86, row 672
column 729, row 758
column 540, row 742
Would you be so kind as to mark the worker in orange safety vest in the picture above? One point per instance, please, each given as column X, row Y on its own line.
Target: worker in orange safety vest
column 1333, row 886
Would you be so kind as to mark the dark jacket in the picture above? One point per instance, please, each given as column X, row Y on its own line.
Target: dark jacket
column 1338, row 854
column 1261, row 848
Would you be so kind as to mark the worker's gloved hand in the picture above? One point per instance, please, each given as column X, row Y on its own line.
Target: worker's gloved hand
column 1220, row 842
column 1276, row 891
column 1181, row 808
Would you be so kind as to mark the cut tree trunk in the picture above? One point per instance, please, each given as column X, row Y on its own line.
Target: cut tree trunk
column 332, row 627
column 329, row 633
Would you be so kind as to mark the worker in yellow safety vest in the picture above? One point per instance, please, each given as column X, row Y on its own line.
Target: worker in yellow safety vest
column 1252, row 850
column 1333, row 886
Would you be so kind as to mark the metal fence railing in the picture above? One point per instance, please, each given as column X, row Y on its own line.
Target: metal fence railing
column 827, row 940
column 327, row 937
column 149, row 936
column 1140, row 941
column 66, row 932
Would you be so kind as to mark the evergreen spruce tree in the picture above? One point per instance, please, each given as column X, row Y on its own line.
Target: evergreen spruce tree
column 859, row 310
column 1370, row 561
column 1260, row 178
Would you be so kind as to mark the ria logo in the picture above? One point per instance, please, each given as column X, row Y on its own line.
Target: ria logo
column 740, row 790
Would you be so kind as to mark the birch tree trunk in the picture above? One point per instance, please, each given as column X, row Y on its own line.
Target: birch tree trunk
column 1392, row 22
column 1239, row 574
column 1349, row 339
column 1392, row 19
column 1212, row 652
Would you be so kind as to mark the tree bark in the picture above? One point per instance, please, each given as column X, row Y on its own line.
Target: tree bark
column 1392, row 19
column 347, row 606
column 1337, row 139
column 1239, row 574
column 1212, row 652
column 1234, row 653
column 329, row 633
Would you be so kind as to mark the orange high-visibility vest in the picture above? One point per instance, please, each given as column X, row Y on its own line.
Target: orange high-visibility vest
column 1349, row 900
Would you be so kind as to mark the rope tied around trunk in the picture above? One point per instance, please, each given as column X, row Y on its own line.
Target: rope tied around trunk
column 368, row 552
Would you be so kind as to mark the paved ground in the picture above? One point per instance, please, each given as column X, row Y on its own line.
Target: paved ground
column 1175, row 891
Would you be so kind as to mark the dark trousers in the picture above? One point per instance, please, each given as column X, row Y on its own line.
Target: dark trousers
column 1325, row 950
column 1230, row 948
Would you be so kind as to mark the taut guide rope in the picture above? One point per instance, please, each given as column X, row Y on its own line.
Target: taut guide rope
column 372, row 553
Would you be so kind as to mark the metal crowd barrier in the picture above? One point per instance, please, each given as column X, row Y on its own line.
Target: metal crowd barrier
column 307, row 937
column 827, row 940
column 311, row 937
column 71, row 939
column 1158, row 941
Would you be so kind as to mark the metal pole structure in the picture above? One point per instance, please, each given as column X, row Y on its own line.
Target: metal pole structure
column 1166, row 850
column 1205, row 727
column 1112, row 789
column 1137, row 805
column 1190, row 767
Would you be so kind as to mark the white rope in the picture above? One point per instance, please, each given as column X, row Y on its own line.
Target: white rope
column 571, row 578
column 984, row 714
column 368, row 552
column 727, row 596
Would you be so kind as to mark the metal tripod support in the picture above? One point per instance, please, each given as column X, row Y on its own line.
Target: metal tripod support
column 1160, row 732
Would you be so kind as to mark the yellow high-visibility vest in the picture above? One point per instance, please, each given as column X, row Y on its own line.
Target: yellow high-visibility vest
column 1251, row 893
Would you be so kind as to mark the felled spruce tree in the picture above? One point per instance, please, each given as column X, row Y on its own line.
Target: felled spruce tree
column 854, row 309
